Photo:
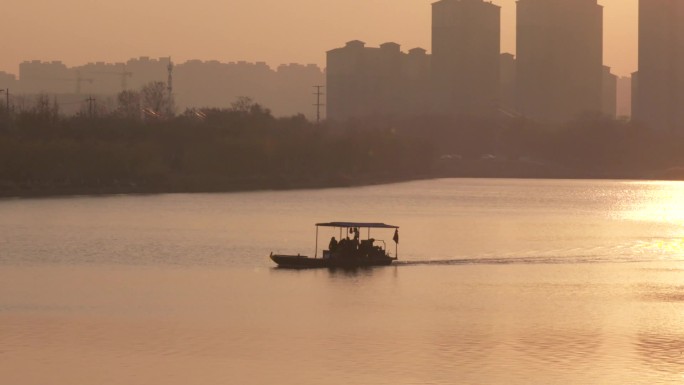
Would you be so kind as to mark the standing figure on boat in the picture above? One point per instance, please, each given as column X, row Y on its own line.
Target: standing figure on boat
column 333, row 245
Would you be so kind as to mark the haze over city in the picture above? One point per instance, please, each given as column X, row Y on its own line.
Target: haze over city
column 212, row 192
column 77, row 31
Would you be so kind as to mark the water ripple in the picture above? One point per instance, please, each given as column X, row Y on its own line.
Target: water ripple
column 560, row 347
column 662, row 352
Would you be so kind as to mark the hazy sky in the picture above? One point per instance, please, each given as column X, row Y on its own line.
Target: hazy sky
column 275, row 31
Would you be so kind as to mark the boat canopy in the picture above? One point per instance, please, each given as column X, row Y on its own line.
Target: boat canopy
column 357, row 224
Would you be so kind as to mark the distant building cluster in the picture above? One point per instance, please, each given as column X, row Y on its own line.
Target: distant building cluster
column 557, row 76
column 286, row 90
column 558, row 73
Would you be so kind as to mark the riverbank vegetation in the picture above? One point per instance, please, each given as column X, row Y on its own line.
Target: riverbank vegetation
column 239, row 148
column 245, row 148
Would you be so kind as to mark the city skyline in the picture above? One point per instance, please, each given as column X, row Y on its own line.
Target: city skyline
column 557, row 76
column 213, row 31
column 206, row 84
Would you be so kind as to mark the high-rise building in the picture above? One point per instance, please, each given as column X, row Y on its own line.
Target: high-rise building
column 50, row 77
column 466, row 44
column 609, row 93
column 624, row 97
column 369, row 81
column 559, row 58
column 659, row 88
column 507, row 81
column 8, row 81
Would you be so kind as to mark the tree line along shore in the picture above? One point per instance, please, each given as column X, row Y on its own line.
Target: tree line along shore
column 245, row 147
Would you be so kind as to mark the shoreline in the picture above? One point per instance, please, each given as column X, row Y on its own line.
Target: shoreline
column 207, row 184
column 185, row 187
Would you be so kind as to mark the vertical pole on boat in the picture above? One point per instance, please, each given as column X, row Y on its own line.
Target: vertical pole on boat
column 316, row 251
column 396, row 243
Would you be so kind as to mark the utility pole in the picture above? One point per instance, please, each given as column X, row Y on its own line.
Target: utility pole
column 6, row 91
column 90, row 101
column 169, row 81
column 318, row 104
column 169, row 87
column 124, row 75
column 9, row 118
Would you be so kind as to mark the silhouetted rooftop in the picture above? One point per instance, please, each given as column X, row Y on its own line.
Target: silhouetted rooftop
column 358, row 224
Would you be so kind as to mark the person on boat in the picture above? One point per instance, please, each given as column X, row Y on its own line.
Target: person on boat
column 342, row 245
column 333, row 244
column 356, row 242
column 367, row 245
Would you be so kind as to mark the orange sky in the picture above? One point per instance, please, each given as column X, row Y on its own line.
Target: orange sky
column 275, row 31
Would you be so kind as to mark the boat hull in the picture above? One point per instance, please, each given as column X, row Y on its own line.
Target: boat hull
column 303, row 262
column 298, row 262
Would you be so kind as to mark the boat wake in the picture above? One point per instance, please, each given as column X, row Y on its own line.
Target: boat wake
column 546, row 260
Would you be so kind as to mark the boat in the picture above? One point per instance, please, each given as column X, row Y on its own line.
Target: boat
column 350, row 251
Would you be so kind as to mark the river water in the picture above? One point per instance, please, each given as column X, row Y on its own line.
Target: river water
column 499, row 282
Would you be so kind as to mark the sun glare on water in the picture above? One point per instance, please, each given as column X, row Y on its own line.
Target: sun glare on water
column 659, row 202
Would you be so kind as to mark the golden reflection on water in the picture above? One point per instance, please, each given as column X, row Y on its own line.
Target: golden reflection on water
column 666, row 247
column 656, row 202
column 531, row 286
column 659, row 204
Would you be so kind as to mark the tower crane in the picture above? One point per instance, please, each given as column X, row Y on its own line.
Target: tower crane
column 124, row 76
column 79, row 79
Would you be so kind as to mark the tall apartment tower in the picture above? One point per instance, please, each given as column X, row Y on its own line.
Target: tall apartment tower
column 466, row 44
column 368, row 81
column 659, row 84
column 559, row 58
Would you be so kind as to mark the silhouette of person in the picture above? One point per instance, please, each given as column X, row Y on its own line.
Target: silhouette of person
column 333, row 244
column 346, row 245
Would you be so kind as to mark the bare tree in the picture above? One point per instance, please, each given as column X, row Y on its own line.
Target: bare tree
column 128, row 104
column 246, row 105
column 242, row 104
column 43, row 110
column 156, row 101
